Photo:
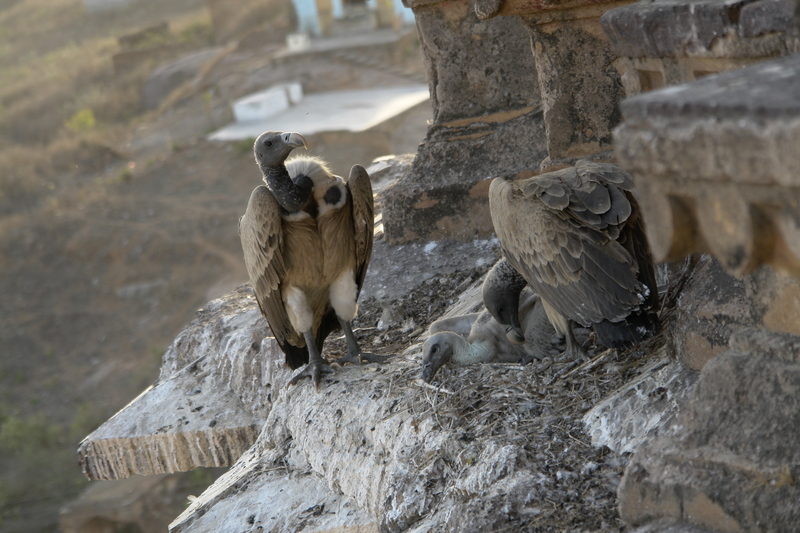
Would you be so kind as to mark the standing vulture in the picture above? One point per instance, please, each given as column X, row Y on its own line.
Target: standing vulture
column 577, row 238
column 307, row 241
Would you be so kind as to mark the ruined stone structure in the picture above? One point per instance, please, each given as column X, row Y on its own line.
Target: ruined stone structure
column 517, row 86
column 717, row 171
column 714, row 161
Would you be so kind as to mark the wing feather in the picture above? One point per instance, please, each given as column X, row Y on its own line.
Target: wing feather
column 360, row 188
column 565, row 244
column 262, row 244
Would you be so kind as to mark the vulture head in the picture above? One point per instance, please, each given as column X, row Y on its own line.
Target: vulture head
column 501, row 289
column 272, row 147
column 271, row 150
column 436, row 352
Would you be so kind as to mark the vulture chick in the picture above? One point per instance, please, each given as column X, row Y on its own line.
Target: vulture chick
column 307, row 240
column 487, row 341
column 577, row 238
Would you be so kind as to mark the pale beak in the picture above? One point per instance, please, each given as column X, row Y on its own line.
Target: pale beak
column 515, row 336
column 295, row 140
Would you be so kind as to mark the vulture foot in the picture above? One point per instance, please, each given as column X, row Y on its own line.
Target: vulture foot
column 574, row 351
column 313, row 370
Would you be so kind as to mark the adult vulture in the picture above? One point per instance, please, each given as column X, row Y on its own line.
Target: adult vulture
column 307, row 241
column 577, row 238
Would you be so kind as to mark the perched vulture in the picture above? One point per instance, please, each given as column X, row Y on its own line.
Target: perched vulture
column 486, row 340
column 307, row 241
column 577, row 238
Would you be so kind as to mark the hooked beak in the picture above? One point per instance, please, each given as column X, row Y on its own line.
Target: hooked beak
column 295, row 140
column 515, row 336
column 428, row 371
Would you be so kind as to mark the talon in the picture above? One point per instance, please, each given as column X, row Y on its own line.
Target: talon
column 313, row 370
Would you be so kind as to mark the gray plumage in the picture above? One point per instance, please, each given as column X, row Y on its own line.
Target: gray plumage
column 307, row 239
column 479, row 338
column 501, row 293
column 576, row 236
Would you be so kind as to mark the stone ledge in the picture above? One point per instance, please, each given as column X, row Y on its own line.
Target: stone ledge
column 237, row 503
column 637, row 412
column 205, row 409
column 187, row 421
column 764, row 91
column 717, row 168
column 679, row 28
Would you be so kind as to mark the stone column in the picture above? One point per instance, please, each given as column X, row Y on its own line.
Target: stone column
column 487, row 121
column 580, row 87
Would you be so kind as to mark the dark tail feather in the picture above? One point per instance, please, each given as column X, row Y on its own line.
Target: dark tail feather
column 625, row 333
column 295, row 357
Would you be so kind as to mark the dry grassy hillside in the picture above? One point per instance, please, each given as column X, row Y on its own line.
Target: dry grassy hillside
column 105, row 252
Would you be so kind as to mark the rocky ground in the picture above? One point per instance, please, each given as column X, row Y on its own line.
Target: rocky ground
column 538, row 407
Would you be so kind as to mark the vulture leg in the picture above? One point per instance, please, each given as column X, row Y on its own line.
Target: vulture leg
column 315, row 364
column 344, row 294
column 564, row 325
column 574, row 349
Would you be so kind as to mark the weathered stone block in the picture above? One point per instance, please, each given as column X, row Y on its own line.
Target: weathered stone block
column 446, row 193
column 714, row 305
column 669, row 42
column 716, row 167
column 699, row 28
column 580, row 87
column 766, row 16
column 729, row 461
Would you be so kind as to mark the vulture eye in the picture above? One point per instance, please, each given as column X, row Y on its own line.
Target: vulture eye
column 268, row 143
column 435, row 349
column 500, row 310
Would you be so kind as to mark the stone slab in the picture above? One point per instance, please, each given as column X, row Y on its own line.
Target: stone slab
column 252, row 498
column 765, row 91
column 178, row 424
column 766, row 16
